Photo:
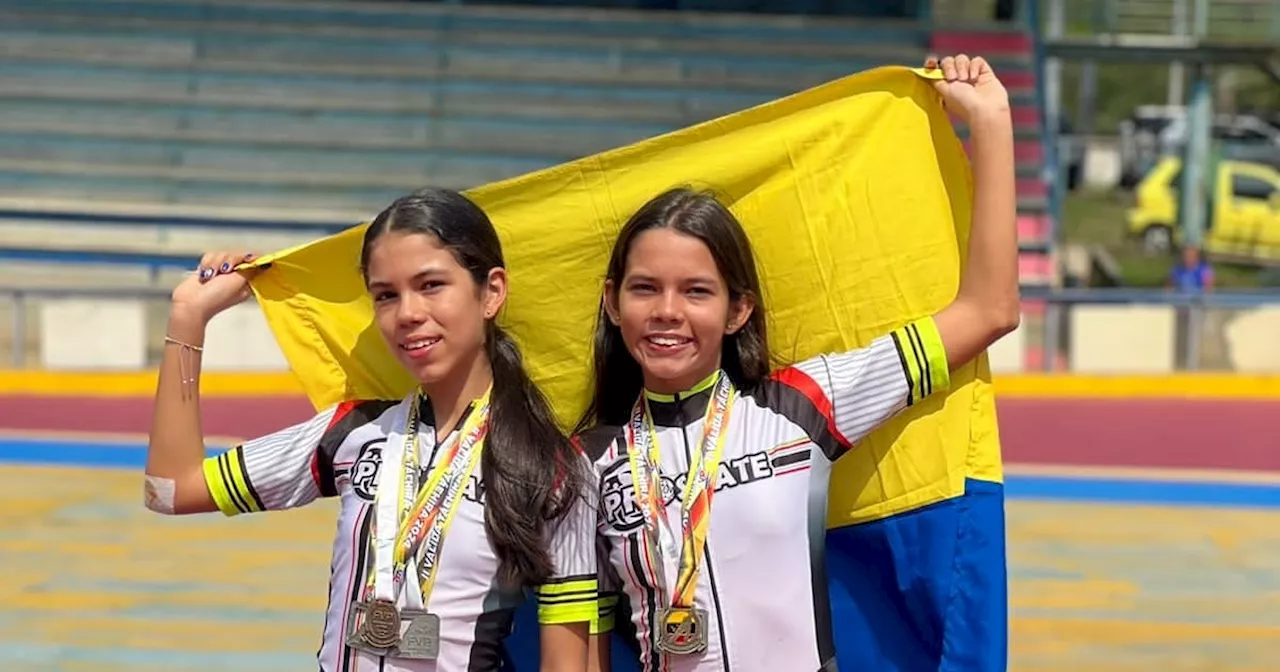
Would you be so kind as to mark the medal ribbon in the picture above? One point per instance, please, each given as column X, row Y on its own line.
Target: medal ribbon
column 695, row 503
column 426, row 513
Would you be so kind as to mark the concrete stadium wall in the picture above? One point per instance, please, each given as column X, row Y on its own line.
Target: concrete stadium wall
column 1143, row 339
column 1099, row 339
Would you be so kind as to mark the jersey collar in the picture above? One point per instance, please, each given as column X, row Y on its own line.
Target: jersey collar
column 682, row 408
column 427, row 413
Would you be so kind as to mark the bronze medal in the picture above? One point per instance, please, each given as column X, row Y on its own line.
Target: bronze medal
column 381, row 625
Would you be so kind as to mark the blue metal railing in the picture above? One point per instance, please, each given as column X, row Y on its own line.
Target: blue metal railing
column 1236, row 298
column 152, row 261
column 1052, row 172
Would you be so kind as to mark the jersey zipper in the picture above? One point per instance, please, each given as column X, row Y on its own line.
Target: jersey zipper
column 706, row 548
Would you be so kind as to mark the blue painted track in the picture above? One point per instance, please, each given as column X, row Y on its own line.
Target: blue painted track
column 1130, row 573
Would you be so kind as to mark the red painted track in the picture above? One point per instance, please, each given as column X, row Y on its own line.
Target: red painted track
column 231, row 417
column 1203, row 434
column 1091, row 432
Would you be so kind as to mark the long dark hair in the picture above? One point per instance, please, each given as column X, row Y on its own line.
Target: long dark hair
column 532, row 472
column 745, row 357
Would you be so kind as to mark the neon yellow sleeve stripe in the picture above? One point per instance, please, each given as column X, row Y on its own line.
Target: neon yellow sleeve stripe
column 235, row 465
column 572, row 600
column 603, row 622
column 577, row 612
column 225, row 477
column 568, row 587
column 923, row 357
column 910, row 362
column 218, row 486
column 935, row 354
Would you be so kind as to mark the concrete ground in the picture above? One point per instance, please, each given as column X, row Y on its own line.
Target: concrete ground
column 94, row 582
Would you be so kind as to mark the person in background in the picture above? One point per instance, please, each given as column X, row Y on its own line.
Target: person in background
column 1192, row 274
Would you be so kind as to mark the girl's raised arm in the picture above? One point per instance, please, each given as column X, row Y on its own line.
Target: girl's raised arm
column 282, row 470
column 175, row 480
column 987, row 304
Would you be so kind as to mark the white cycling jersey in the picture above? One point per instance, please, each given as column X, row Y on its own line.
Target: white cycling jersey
column 763, row 581
column 337, row 453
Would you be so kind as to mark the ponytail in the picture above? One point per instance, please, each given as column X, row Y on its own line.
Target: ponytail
column 746, row 353
column 533, row 473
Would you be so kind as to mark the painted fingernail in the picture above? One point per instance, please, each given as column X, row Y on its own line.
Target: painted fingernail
column 206, row 273
column 225, row 267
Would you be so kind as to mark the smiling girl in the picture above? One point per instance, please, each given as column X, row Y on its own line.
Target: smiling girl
column 713, row 467
column 473, row 457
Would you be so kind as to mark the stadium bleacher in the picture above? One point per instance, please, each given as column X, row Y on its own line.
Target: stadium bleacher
column 314, row 114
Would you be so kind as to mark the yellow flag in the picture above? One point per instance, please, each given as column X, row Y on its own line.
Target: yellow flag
column 856, row 195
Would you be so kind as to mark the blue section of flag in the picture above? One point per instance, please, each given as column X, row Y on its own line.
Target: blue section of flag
column 923, row 590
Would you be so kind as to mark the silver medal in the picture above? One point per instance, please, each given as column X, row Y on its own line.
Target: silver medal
column 421, row 638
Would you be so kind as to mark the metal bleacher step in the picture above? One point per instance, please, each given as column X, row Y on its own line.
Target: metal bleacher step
column 62, row 243
column 77, row 181
column 92, row 81
column 290, row 217
column 604, row 23
column 511, row 52
column 395, row 46
column 47, row 243
column 144, row 239
column 729, row 77
column 241, row 162
column 549, row 142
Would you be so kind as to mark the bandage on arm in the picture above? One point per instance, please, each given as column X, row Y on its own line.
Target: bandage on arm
column 158, row 494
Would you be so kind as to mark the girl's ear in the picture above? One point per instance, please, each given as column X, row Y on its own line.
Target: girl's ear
column 611, row 302
column 739, row 312
column 495, row 292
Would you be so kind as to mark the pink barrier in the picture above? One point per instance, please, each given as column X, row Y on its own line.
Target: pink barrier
column 1177, row 433
column 1026, row 116
column 1035, row 267
column 1024, row 151
column 1032, row 186
column 980, row 42
column 223, row 416
column 1018, row 81
column 1033, row 227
